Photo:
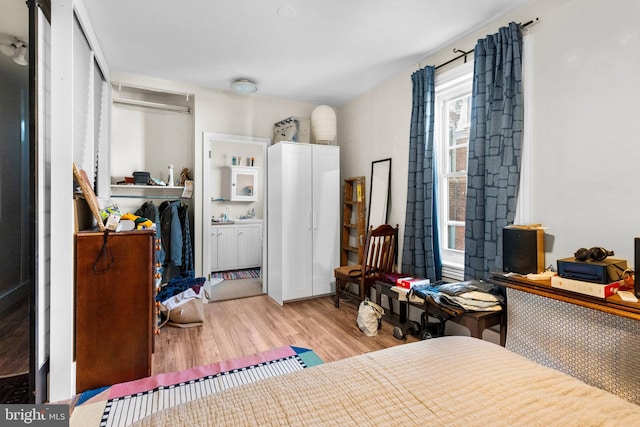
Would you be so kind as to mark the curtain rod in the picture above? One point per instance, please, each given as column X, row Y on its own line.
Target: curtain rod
column 464, row 54
column 153, row 105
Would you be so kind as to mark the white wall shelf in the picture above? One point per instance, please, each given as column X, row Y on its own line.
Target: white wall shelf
column 147, row 191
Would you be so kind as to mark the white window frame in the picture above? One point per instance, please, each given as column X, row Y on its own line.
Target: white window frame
column 448, row 85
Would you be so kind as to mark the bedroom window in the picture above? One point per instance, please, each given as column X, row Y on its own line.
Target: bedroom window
column 452, row 124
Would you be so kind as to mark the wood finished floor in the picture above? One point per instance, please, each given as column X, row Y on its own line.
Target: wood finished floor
column 14, row 339
column 245, row 326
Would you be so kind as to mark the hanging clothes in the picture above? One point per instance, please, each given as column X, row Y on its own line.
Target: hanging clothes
column 176, row 239
column 150, row 211
column 172, row 232
column 187, row 249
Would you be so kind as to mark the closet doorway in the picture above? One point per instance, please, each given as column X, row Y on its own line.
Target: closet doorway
column 234, row 215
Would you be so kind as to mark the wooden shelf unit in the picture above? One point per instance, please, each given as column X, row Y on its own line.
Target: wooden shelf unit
column 354, row 228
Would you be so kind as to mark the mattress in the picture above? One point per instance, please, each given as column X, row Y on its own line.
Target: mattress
column 453, row 381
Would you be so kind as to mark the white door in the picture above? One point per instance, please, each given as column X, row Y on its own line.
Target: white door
column 326, row 222
column 297, row 221
column 213, row 249
column 227, row 247
column 249, row 238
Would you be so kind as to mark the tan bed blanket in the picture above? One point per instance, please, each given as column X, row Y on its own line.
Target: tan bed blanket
column 448, row 381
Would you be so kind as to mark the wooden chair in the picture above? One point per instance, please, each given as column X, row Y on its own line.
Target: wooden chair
column 379, row 258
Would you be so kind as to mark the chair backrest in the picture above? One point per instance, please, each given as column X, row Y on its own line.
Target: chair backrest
column 380, row 250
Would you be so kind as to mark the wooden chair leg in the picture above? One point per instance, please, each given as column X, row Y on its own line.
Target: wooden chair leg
column 365, row 291
column 337, row 300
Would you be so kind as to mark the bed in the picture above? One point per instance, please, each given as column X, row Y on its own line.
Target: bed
column 452, row 381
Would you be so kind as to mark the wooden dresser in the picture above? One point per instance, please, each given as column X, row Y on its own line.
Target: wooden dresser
column 114, row 307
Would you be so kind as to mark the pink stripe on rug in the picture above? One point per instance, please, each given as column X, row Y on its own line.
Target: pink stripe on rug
column 149, row 383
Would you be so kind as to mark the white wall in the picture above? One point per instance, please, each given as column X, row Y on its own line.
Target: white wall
column 584, row 157
column 585, row 160
column 150, row 140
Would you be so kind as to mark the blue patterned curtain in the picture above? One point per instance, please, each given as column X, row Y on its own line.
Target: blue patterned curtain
column 495, row 146
column 420, row 249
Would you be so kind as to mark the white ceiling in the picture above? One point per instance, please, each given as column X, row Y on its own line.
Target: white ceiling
column 14, row 23
column 14, row 19
column 329, row 52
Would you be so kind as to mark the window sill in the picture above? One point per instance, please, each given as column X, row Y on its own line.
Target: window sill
column 453, row 271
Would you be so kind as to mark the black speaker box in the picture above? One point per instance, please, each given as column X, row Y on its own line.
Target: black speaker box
column 523, row 250
column 636, row 268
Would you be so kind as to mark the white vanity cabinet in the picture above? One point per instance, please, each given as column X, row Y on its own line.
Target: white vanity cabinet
column 236, row 245
column 239, row 183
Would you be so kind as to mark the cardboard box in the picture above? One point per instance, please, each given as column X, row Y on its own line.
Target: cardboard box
column 81, row 214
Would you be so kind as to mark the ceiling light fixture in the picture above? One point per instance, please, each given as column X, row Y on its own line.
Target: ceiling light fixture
column 16, row 49
column 244, row 87
column 20, row 57
column 286, row 12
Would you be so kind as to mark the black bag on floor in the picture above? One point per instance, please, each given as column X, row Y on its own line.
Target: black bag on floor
column 431, row 328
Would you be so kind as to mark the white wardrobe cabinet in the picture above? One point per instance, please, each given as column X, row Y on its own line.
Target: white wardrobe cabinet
column 303, row 219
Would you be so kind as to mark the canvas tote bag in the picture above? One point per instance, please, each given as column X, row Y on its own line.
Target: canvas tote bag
column 184, row 310
column 370, row 317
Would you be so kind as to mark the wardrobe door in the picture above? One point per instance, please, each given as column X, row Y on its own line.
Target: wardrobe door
column 275, row 287
column 296, row 221
column 326, row 217
column 289, row 221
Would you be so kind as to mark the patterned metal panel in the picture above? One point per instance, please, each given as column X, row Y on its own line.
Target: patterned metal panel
column 598, row 348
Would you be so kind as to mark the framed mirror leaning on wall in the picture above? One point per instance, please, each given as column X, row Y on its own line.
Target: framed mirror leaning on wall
column 379, row 193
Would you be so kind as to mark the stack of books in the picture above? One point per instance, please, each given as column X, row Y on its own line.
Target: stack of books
column 410, row 282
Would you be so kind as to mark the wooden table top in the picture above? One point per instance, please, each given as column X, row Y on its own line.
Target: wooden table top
column 613, row 304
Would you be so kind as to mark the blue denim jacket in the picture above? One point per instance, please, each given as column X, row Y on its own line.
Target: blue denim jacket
column 172, row 232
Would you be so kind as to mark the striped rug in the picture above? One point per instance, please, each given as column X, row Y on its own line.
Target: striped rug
column 252, row 273
column 123, row 404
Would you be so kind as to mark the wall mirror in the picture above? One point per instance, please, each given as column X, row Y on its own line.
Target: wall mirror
column 379, row 193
